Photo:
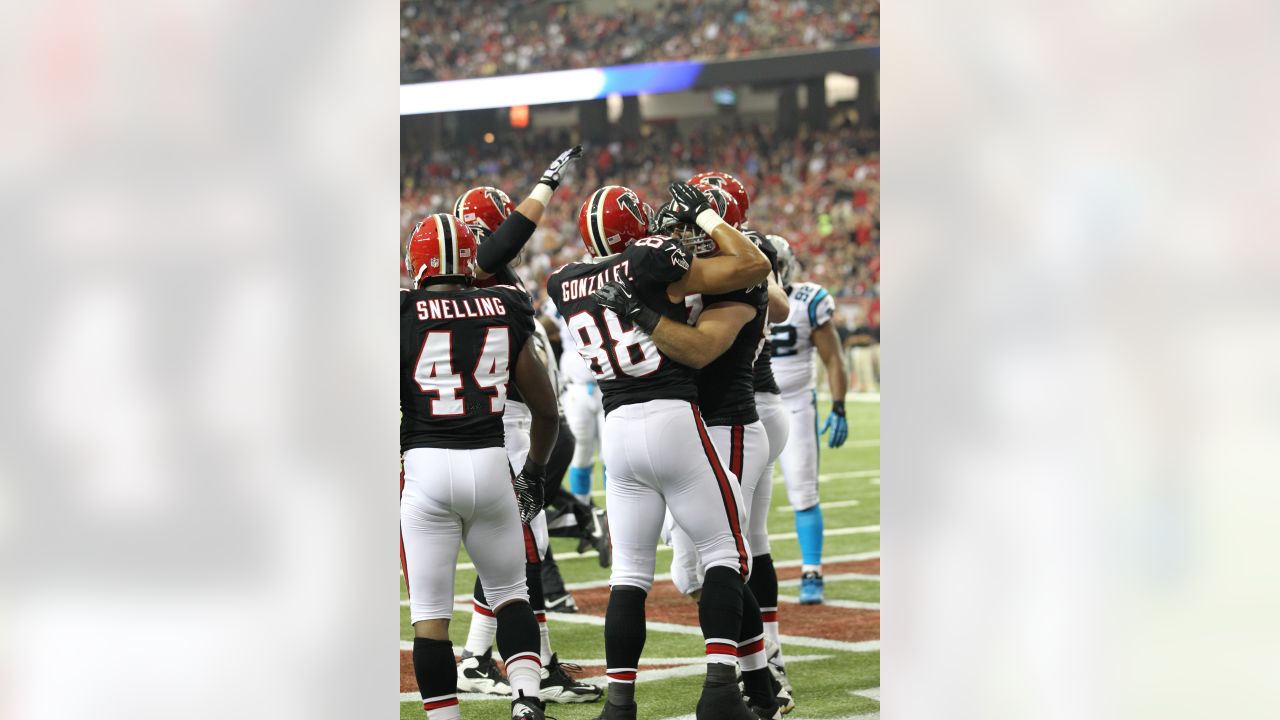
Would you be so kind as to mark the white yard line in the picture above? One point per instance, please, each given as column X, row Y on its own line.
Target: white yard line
column 834, row 532
column 832, row 578
column 823, row 477
column 871, row 694
column 825, row 505
column 593, row 584
column 847, row 604
column 828, row 477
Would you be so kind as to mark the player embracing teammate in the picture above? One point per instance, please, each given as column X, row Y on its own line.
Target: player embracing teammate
column 656, row 445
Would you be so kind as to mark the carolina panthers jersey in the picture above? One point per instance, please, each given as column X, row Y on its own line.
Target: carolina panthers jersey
column 792, row 340
column 623, row 359
column 458, row 349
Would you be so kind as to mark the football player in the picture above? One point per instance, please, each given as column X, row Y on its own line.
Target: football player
column 459, row 348
column 727, row 333
column 808, row 327
column 582, row 407
column 503, row 230
column 776, row 419
column 656, row 446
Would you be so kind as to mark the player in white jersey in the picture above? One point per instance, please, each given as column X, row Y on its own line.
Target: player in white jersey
column 583, row 409
column 808, row 327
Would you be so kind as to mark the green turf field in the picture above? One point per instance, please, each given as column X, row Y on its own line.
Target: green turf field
column 850, row 494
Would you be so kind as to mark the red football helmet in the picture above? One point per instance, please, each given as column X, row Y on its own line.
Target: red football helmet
column 483, row 208
column 728, row 182
column 691, row 236
column 440, row 245
column 611, row 219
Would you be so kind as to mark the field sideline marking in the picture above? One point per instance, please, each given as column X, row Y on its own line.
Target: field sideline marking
column 834, row 532
column 822, row 477
column 684, row 667
column 825, row 505
column 832, row 578
column 847, row 604
column 800, row 640
column 593, row 584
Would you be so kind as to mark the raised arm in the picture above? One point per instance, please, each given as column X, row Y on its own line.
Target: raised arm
column 501, row 248
column 739, row 265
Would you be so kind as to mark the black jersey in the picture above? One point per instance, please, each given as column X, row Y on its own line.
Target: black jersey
column 762, row 371
column 458, row 349
column 626, row 364
column 726, row 386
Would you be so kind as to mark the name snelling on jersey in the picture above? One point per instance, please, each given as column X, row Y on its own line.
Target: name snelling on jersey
column 584, row 286
column 451, row 309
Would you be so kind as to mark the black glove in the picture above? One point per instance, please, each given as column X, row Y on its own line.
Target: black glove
column 689, row 201
column 529, row 490
column 551, row 178
column 623, row 301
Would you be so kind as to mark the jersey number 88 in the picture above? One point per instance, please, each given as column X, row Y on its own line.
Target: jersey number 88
column 592, row 347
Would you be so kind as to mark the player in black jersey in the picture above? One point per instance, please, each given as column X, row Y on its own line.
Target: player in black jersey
column 460, row 346
column 726, row 336
column 776, row 419
column 502, row 230
column 655, row 445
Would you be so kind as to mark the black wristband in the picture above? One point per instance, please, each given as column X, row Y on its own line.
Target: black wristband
column 837, row 407
column 505, row 243
column 647, row 319
column 534, row 470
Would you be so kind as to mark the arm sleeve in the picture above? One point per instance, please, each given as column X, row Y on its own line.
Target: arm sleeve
column 505, row 244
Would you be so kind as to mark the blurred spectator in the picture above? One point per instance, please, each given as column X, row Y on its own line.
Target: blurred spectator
column 446, row 40
column 837, row 244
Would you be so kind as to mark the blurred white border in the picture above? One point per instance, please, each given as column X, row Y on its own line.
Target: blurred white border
column 201, row 464
column 1080, row 418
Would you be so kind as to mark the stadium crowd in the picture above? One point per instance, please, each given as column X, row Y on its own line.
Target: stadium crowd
column 445, row 40
column 820, row 190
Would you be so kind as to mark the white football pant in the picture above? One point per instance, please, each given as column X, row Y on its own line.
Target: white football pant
column 453, row 496
column 660, row 455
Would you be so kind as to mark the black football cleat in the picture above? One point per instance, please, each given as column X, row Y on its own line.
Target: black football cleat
column 528, row 708
column 723, row 703
column 617, row 712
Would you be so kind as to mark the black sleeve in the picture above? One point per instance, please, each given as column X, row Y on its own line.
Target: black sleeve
column 506, row 276
column 505, row 243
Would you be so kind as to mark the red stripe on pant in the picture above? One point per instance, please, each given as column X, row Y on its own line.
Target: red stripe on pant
column 769, row 616
column 482, row 610
column 749, row 648
column 439, row 704
column 530, row 547
column 621, row 676
column 726, row 492
column 735, row 452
